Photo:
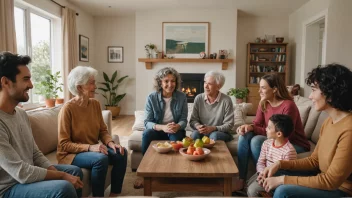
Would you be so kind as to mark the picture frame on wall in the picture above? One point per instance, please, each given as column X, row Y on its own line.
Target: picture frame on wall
column 185, row 39
column 115, row 54
column 83, row 48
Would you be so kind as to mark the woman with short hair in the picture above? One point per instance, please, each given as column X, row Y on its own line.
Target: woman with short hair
column 81, row 126
column 165, row 110
column 327, row 172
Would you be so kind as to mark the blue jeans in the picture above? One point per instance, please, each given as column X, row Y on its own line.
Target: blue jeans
column 301, row 191
column 48, row 188
column 150, row 134
column 215, row 135
column 98, row 163
column 249, row 145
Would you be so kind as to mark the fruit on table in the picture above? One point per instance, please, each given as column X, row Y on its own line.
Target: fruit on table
column 198, row 143
column 163, row 145
column 206, row 139
column 176, row 146
column 190, row 150
column 200, row 151
column 187, row 141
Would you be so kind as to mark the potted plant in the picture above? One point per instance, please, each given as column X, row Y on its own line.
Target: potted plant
column 49, row 87
column 110, row 93
column 238, row 93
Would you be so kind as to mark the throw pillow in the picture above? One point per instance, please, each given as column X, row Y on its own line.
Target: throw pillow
column 240, row 114
column 138, row 124
column 190, row 109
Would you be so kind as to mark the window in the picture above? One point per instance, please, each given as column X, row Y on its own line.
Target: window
column 34, row 33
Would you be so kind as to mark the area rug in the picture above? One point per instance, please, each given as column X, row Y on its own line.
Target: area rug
column 130, row 177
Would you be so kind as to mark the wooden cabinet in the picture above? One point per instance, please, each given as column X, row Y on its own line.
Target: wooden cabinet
column 262, row 59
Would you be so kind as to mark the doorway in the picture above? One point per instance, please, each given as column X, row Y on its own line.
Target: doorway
column 314, row 47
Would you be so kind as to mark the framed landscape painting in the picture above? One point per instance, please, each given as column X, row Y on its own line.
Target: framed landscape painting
column 185, row 39
column 115, row 54
column 83, row 48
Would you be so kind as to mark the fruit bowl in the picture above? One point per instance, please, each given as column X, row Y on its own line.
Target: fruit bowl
column 210, row 145
column 162, row 149
column 194, row 157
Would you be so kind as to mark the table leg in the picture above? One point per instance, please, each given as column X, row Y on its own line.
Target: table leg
column 227, row 186
column 147, row 186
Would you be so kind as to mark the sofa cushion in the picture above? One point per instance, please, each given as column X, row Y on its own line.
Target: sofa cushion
column 135, row 141
column 138, row 124
column 304, row 112
column 240, row 114
column 44, row 124
column 190, row 109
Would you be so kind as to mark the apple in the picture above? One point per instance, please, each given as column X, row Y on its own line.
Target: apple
column 190, row 150
column 186, row 142
column 200, row 151
column 196, row 153
column 206, row 139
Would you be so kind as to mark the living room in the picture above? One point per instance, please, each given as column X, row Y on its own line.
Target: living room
column 233, row 24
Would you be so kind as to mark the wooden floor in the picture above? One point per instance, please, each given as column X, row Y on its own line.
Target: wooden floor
column 122, row 125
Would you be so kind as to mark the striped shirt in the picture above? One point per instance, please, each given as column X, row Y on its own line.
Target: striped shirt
column 270, row 154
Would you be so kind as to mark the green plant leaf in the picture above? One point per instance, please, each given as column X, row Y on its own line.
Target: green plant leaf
column 106, row 78
column 121, row 79
column 104, row 90
column 113, row 77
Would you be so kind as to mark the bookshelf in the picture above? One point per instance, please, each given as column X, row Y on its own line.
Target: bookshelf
column 262, row 59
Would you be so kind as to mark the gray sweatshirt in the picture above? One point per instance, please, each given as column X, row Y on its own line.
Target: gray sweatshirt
column 20, row 159
column 219, row 114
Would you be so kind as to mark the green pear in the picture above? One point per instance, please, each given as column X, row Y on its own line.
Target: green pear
column 199, row 143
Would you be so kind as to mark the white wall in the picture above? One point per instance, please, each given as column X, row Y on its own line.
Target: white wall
column 248, row 29
column 339, row 32
column 223, row 30
column 296, row 20
column 117, row 31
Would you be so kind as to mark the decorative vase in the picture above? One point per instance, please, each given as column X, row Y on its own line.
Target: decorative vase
column 115, row 110
column 59, row 101
column 239, row 100
column 50, row 103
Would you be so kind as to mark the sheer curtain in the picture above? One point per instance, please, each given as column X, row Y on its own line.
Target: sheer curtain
column 70, row 49
column 7, row 26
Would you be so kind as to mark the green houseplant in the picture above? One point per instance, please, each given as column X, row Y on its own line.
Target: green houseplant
column 110, row 93
column 238, row 93
column 49, row 87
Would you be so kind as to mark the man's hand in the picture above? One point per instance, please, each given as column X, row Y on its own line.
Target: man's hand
column 241, row 130
column 203, row 129
column 116, row 146
column 100, row 148
column 75, row 181
column 174, row 127
column 52, row 168
column 271, row 183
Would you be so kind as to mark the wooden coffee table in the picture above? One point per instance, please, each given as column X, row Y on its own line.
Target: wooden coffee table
column 173, row 172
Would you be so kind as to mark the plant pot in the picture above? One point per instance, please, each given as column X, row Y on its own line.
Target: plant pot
column 50, row 103
column 115, row 110
column 59, row 101
column 239, row 100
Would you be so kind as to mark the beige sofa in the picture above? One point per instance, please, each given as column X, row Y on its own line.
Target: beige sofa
column 44, row 124
column 311, row 120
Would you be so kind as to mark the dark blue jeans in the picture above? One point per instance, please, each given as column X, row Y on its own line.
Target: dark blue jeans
column 98, row 163
column 301, row 191
column 215, row 135
column 249, row 145
column 49, row 188
column 150, row 134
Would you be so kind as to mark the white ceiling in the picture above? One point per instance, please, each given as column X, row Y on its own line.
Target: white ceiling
column 259, row 8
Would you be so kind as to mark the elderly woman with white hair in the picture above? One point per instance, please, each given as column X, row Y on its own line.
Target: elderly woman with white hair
column 81, row 126
column 212, row 113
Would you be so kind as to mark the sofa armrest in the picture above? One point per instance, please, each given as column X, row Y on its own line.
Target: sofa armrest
column 116, row 139
column 107, row 116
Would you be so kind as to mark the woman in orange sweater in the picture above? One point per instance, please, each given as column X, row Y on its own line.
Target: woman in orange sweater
column 327, row 172
column 81, row 126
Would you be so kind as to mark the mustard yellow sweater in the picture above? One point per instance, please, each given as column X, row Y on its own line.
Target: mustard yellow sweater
column 80, row 124
column 332, row 156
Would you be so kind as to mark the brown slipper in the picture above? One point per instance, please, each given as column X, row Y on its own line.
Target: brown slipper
column 138, row 183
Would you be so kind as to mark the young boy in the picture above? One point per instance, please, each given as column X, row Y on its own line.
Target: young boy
column 276, row 147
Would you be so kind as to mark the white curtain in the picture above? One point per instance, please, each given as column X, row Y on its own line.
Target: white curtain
column 7, row 26
column 70, row 49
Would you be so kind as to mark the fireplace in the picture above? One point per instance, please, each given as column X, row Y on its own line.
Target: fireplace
column 192, row 85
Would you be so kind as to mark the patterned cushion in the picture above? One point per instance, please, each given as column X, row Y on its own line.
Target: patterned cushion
column 240, row 114
column 139, row 121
